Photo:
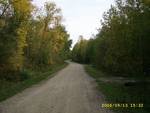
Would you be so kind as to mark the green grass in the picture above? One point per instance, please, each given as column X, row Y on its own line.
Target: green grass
column 8, row 89
column 119, row 93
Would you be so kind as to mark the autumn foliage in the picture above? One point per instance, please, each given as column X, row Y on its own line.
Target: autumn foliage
column 30, row 37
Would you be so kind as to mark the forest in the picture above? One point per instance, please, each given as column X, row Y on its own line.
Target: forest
column 33, row 44
column 122, row 44
column 30, row 37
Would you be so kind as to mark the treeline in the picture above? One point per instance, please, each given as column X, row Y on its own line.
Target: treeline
column 122, row 45
column 30, row 37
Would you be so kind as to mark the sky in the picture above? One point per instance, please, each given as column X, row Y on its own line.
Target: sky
column 81, row 17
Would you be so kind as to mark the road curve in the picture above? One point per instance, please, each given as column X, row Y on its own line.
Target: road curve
column 70, row 91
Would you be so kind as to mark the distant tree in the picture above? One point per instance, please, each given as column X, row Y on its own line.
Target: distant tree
column 79, row 50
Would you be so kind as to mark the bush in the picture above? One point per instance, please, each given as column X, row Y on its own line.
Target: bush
column 24, row 74
column 15, row 76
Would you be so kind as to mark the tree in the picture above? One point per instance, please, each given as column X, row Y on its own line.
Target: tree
column 79, row 50
column 15, row 16
column 30, row 37
column 122, row 43
column 47, row 37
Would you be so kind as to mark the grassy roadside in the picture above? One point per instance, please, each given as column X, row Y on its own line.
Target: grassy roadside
column 8, row 89
column 119, row 93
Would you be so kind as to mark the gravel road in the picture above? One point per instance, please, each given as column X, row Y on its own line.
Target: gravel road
column 70, row 91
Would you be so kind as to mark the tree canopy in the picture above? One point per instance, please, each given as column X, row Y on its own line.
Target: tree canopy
column 30, row 36
column 122, row 45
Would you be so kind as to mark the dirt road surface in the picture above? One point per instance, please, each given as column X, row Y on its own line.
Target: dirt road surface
column 70, row 91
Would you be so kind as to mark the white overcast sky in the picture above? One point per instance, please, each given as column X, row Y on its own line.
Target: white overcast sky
column 81, row 17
